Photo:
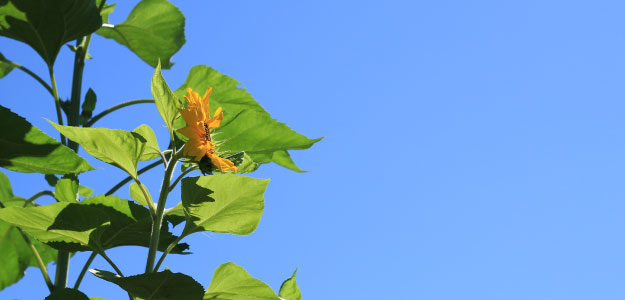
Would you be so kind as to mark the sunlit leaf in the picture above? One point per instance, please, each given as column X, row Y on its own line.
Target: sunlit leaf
column 96, row 223
column 246, row 125
column 225, row 203
column 281, row 157
column 85, row 191
column 232, row 282
column 67, row 294
column 156, row 286
column 121, row 148
column 153, row 30
column 137, row 195
column 289, row 289
column 46, row 25
column 66, row 189
column 15, row 254
column 166, row 102
column 25, row 148
column 151, row 150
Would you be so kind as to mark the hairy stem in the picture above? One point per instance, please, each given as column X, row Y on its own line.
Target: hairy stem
column 158, row 220
column 173, row 185
column 114, row 108
column 33, row 75
column 57, row 101
column 40, row 194
column 84, row 269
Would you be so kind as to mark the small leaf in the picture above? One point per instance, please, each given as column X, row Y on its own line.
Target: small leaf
column 88, row 106
column 51, row 179
column 153, row 30
column 84, row 191
column 120, row 148
column 137, row 195
column 67, row 294
column 5, row 66
column 232, row 282
column 156, row 286
column 47, row 25
column 225, row 203
column 166, row 102
column 289, row 289
column 25, row 148
column 15, row 255
column 281, row 157
column 66, row 189
column 151, row 150
column 74, row 48
column 246, row 125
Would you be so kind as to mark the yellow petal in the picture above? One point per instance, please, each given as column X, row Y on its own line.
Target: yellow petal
column 222, row 164
column 205, row 104
column 215, row 121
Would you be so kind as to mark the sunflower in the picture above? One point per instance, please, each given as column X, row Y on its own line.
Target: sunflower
column 199, row 124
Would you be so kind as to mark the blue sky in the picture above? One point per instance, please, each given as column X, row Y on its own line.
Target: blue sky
column 473, row 149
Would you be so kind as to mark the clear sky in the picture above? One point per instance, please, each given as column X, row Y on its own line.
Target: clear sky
column 473, row 149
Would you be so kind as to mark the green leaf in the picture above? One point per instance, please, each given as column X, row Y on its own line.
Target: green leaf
column 66, row 189
column 46, row 25
column 166, row 102
column 5, row 66
column 225, row 203
column 289, row 289
column 151, row 150
column 51, row 179
column 88, row 106
column 84, row 191
column 120, row 148
column 137, row 195
column 97, row 223
column 67, row 294
column 15, row 254
column 282, row 158
column 153, row 30
column 156, row 286
column 231, row 282
column 24, row 148
column 246, row 125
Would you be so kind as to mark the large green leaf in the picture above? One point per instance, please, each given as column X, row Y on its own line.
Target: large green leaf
column 46, row 25
column 5, row 66
column 24, row 148
column 231, row 282
column 97, row 223
column 289, row 289
column 156, row 286
column 225, row 203
column 151, row 150
column 67, row 294
column 153, row 30
column 15, row 254
column 166, row 102
column 246, row 125
column 121, row 148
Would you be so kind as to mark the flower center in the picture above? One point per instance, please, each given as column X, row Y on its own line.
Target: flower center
column 207, row 133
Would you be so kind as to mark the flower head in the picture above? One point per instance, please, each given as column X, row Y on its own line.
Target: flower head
column 199, row 124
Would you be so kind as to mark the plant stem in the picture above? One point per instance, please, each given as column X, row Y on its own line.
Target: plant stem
column 147, row 197
column 129, row 178
column 40, row 263
column 173, row 185
column 57, row 102
column 158, row 220
column 119, row 272
column 33, row 75
column 84, row 269
column 114, row 108
column 35, row 196
column 169, row 248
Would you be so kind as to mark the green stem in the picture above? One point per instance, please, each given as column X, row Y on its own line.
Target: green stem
column 84, row 269
column 119, row 272
column 169, row 248
column 40, row 194
column 57, row 101
column 33, row 75
column 129, row 178
column 158, row 220
column 173, row 185
column 114, row 108
column 147, row 197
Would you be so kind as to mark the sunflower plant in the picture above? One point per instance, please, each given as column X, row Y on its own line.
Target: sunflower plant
column 215, row 129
